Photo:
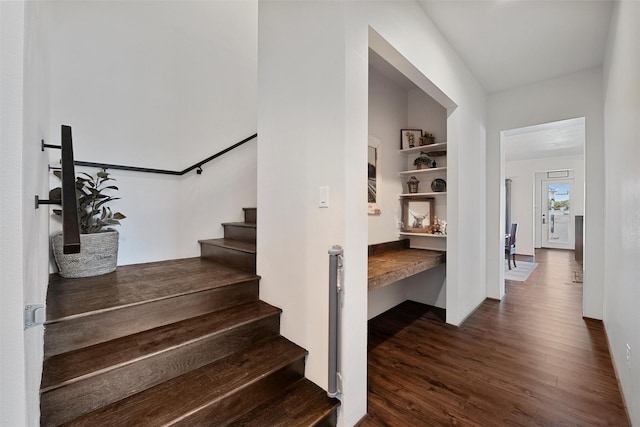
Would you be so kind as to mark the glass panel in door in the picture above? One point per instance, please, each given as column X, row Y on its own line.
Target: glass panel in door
column 557, row 224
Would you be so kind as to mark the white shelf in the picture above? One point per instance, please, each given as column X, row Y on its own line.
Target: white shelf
column 424, row 240
column 438, row 236
column 428, row 170
column 426, row 148
column 439, row 193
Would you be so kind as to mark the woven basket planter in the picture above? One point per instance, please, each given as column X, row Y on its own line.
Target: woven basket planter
column 98, row 255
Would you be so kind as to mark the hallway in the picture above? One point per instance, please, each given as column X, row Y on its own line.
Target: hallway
column 528, row 360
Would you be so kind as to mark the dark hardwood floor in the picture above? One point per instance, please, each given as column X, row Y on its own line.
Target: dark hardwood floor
column 530, row 359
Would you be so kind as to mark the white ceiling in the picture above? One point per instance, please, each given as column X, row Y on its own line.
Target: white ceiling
column 556, row 139
column 512, row 43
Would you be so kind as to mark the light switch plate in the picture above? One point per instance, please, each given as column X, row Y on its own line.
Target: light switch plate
column 324, row 197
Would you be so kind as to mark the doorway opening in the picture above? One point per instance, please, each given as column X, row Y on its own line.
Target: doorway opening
column 545, row 166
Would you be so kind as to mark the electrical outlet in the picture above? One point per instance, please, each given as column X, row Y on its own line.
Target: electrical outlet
column 628, row 356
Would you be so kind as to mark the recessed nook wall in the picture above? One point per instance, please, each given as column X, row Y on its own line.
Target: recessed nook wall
column 397, row 103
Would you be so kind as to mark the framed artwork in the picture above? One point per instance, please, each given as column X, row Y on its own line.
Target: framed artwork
column 373, row 176
column 410, row 138
column 417, row 214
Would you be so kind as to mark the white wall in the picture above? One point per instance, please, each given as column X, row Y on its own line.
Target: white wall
column 525, row 201
column 313, row 92
column 13, row 396
column 160, row 85
column 575, row 95
column 24, row 230
column 301, row 122
column 427, row 114
column 35, row 180
column 622, row 215
column 428, row 287
column 388, row 113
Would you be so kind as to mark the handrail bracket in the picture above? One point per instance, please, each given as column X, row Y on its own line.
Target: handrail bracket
column 40, row 201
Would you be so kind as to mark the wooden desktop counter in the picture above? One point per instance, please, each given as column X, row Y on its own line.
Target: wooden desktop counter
column 393, row 261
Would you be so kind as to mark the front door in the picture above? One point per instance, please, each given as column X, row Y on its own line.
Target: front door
column 557, row 219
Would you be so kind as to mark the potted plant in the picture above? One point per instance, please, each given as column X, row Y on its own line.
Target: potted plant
column 422, row 162
column 98, row 241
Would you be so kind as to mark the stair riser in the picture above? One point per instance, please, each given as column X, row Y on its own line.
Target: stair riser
column 302, row 404
column 233, row 258
column 72, row 334
column 80, row 397
column 250, row 215
column 229, row 408
column 331, row 420
column 244, row 234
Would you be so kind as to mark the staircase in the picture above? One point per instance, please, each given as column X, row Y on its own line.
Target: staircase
column 238, row 247
column 182, row 343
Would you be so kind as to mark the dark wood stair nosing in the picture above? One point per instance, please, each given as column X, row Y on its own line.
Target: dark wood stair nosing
column 263, row 414
column 137, row 283
column 288, row 355
column 240, row 224
column 229, row 244
column 72, row 334
column 272, row 311
column 148, row 301
column 78, row 400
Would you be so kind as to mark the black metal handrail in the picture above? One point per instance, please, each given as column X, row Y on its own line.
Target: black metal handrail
column 197, row 166
column 68, row 200
column 70, row 222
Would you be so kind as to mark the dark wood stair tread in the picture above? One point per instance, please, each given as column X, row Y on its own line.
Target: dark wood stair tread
column 237, row 245
column 72, row 366
column 240, row 224
column 134, row 284
column 303, row 404
column 171, row 401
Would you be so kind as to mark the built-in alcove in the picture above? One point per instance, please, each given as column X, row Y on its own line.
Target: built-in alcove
column 397, row 102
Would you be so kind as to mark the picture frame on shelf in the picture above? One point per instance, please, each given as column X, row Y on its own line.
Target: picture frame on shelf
column 410, row 138
column 418, row 214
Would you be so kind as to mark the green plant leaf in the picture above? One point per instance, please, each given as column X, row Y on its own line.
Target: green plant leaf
column 93, row 213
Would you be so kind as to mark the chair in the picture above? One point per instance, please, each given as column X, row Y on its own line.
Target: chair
column 510, row 246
